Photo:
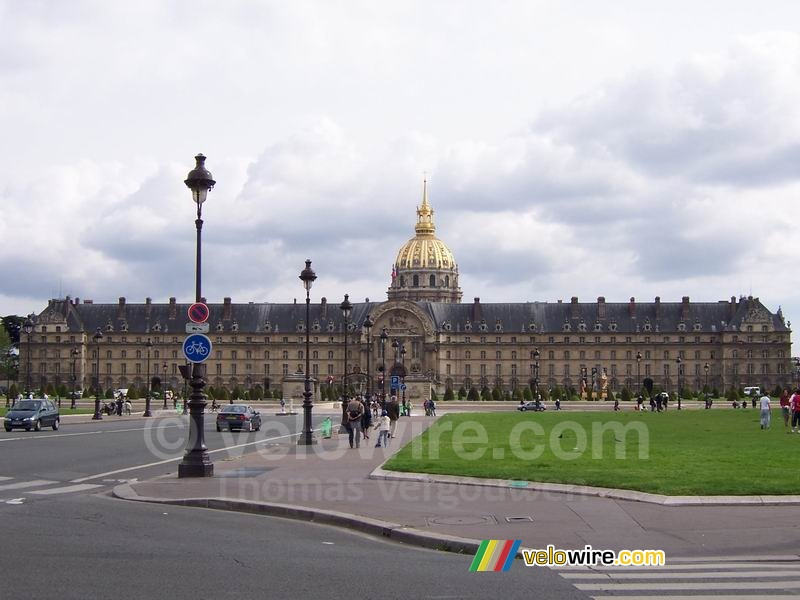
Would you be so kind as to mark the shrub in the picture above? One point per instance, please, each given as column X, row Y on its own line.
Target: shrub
column 610, row 395
column 133, row 393
column 497, row 394
column 517, row 394
column 473, row 394
column 527, row 394
column 462, row 393
column 256, row 393
column 625, row 395
column 486, row 395
column 448, row 394
column 434, row 397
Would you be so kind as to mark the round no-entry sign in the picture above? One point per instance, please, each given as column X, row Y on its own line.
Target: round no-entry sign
column 198, row 312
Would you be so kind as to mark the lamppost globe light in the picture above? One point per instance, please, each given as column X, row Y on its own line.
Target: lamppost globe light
column 147, row 413
column 199, row 181
column 367, row 326
column 307, row 276
column 346, row 309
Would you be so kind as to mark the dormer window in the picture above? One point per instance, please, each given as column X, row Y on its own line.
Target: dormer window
column 315, row 327
column 531, row 326
column 598, row 326
column 483, row 326
column 567, row 327
column 647, row 327
column 697, row 326
column 235, row 326
column 157, row 327
column 124, row 326
column 447, row 326
column 300, row 327
column 681, row 326
column 612, row 327
column 468, row 326
column 220, row 326
column 267, row 327
column 498, row 326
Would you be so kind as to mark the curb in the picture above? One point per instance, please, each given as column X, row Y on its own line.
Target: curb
column 375, row 527
column 586, row 490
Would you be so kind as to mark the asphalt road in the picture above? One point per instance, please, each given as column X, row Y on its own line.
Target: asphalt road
column 65, row 537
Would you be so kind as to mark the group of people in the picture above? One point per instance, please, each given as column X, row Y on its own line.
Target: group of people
column 357, row 419
column 658, row 402
column 790, row 409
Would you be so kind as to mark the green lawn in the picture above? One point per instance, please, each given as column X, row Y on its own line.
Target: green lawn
column 700, row 452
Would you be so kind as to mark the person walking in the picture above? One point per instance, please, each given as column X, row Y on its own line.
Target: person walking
column 432, row 407
column 366, row 419
column 383, row 426
column 765, row 414
column 355, row 410
column 393, row 409
column 785, row 408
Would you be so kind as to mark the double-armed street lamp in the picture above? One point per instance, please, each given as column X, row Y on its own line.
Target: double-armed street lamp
column 679, row 362
column 307, row 276
column 403, row 380
column 147, row 413
column 367, row 326
column 97, row 337
column 535, row 381
column 196, row 462
column 164, row 386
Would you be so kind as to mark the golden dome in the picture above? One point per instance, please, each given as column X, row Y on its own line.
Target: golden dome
column 425, row 250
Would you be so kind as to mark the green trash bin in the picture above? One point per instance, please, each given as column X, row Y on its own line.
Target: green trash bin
column 327, row 426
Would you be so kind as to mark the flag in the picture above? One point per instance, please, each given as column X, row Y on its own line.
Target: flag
column 394, row 273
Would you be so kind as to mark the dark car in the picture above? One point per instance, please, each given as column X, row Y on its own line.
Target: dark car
column 534, row 405
column 32, row 414
column 239, row 416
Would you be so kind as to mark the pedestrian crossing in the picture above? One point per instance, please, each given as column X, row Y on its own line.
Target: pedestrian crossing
column 713, row 577
column 15, row 491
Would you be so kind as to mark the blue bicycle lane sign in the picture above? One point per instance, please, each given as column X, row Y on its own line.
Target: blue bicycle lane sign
column 197, row 347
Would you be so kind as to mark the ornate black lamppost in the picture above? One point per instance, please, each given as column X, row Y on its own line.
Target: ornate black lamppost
column 164, row 386
column 536, row 356
column 384, row 338
column 367, row 326
column 74, row 353
column 347, row 310
column 98, row 335
column 196, row 462
column 403, row 379
column 679, row 362
column 27, row 328
column 307, row 276
column 639, row 372
column 147, row 412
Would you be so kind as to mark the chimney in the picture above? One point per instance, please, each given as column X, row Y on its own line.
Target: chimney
column 77, row 301
column 685, row 308
column 88, row 301
column 173, row 309
column 476, row 310
column 658, row 307
column 574, row 308
column 227, row 313
column 148, row 305
column 732, row 308
column 601, row 307
column 324, row 308
column 121, row 308
column 632, row 307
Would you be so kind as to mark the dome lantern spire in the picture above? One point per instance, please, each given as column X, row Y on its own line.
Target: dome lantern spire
column 425, row 224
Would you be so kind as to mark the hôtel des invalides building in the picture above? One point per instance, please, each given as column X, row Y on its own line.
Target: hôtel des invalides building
column 446, row 343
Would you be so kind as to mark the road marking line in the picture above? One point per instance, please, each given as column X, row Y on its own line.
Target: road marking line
column 672, row 575
column 5, row 478
column 719, row 585
column 704, row 597
column 26, row 484
column 673, row 567
column 177, row 458
column 67, row 489
column 60, row 435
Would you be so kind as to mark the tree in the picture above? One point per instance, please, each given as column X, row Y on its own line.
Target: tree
column 256, row 392
column 277, row 393
column 589, row 393
column 610, row 395
column 462, row 393
column 517, row 395
column 527, row 394
column 133, row 393
column 497, row 394
column 732, row 394
column 434, row 397
column 448, row 394
column 109, row 393
column 626, row 395
column 473, row 394
column 12, row 325
column 486, row 395
column 545, row 394
column 222, row 393
column 237, row 393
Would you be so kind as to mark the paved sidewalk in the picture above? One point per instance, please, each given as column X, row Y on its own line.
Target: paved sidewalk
column 330, row 483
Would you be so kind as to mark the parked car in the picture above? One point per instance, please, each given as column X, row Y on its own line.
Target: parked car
column 238, row 416
column 535, row 405
column 32, row 414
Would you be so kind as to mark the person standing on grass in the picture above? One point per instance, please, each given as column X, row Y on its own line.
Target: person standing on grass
column 785, row 408
column 795, row 406
column 765, row 414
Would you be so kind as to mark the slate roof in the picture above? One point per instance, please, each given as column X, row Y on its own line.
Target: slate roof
column 529, row 317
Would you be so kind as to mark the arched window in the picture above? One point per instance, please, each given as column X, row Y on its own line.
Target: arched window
column 402, row 281
column 416, row 281
column 432, row 281
column 447, row 281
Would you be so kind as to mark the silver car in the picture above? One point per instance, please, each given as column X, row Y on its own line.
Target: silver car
column 238, row 416
column 32, row 414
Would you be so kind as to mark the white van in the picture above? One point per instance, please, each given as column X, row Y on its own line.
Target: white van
column 752, row 392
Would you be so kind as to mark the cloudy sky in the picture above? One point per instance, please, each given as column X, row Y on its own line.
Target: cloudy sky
column 573, row 148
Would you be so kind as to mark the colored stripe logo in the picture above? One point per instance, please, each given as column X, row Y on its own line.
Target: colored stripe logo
column 495, row 555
